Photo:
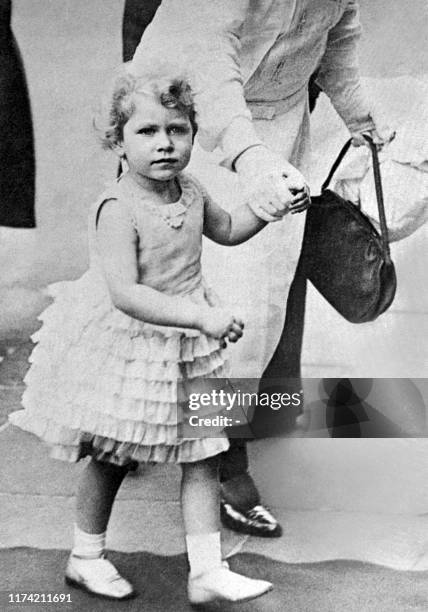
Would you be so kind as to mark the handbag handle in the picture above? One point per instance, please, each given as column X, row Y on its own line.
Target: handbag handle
column 378, row 188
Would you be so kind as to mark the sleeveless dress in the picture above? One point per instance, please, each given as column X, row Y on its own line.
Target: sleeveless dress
column 105, row 384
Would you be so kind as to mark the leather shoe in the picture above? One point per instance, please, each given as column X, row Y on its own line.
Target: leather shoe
column 258, row 521
column 221, row 584
column 97, row 577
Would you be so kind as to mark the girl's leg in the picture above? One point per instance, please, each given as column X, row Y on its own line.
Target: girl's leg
column 87, row 567
column 200, row 496
column 209, row 579
column 98, row 486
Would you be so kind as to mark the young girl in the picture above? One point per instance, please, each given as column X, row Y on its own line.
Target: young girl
column 116, row 342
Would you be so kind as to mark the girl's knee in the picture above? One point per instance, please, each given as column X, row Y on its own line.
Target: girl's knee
column 213, row 462
column 208, row 465
column 111, row 469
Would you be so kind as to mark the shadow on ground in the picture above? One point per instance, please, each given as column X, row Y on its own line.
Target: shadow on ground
column 160, row 581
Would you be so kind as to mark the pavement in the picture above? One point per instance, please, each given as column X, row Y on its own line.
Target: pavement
column 37, row 498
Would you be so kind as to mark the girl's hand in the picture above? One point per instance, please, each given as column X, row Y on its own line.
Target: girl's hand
column 219, row 323
column 272, row 185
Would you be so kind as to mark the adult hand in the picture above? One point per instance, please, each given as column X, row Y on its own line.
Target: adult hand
column 376, row 127
column 272, row 186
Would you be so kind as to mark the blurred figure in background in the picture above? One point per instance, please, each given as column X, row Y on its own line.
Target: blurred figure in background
column 17, row 163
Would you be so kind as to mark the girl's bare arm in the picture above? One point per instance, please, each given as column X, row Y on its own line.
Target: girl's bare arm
column 117, row 247
column 230, row 229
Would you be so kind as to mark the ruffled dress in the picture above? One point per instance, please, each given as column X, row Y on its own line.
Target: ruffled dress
column 104, row 384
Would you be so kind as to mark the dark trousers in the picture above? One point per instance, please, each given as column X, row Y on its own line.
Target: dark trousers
column 285, row 362
column 17, row 164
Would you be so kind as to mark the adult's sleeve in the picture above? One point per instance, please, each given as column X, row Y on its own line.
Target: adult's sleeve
column 201, row 38
column 339, row 73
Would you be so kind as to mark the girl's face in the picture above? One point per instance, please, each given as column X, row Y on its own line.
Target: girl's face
column 157, row 141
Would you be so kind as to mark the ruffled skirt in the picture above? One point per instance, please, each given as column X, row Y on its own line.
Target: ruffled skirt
column 104, row 384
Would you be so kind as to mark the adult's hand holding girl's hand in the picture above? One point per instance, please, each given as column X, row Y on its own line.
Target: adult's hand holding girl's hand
column 221, row 324
column 273, row 187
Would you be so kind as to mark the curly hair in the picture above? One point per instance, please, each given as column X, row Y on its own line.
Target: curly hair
column 171, row 92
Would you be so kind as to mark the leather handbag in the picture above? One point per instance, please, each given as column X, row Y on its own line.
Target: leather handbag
column 343, row 255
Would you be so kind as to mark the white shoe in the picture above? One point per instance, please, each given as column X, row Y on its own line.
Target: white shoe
column 222, row 584
column 97, row 576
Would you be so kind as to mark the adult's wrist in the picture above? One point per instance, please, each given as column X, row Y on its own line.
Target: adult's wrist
column 239, row 136
column 253, row 159
column 250, row 153
column 361, row 124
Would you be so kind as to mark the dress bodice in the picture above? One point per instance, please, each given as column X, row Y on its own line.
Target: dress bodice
column 169, row 236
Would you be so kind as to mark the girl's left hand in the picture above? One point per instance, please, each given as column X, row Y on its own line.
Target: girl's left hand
column 234, row 332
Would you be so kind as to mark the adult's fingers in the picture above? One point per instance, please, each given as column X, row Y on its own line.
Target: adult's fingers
column 300, row 209
column 300, row 199
column 301, row 196
column 239, row 321
column 233, row 336
column 237, row 326
column 301, row 206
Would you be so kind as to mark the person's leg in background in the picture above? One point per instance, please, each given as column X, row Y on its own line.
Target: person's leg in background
column 240, row 494
column 283, row 372
column 241, row 508
column 264, row 267
column 17, row 162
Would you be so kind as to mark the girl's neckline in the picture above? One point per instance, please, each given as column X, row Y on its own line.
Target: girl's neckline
column 173, row 213
column 137, row 191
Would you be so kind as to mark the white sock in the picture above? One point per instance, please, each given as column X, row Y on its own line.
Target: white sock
column 203, row 552
column 88, row 545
